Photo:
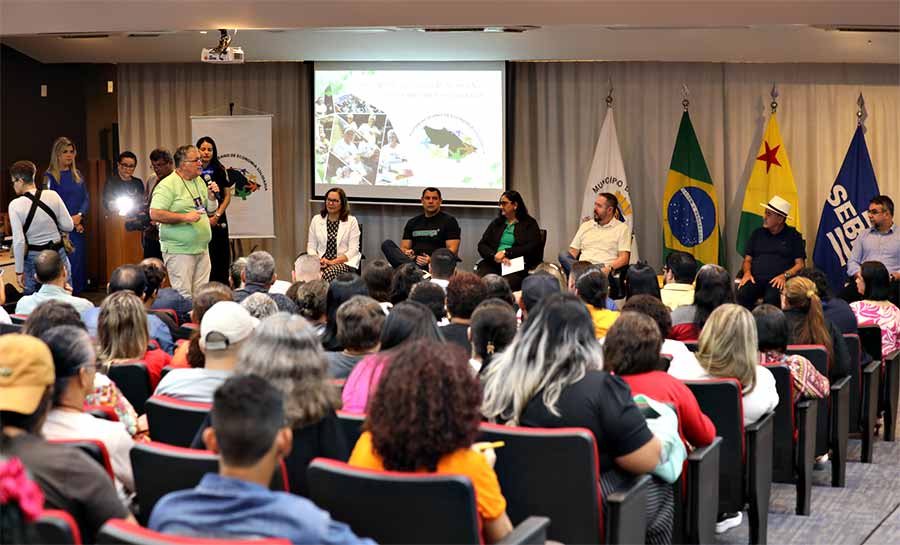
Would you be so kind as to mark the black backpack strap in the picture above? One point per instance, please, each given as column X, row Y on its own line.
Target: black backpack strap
column 30, row 218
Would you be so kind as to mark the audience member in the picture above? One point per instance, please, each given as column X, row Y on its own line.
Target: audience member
column 334, row 236
column 251, row 435
column 442, row 266
column 655, row 309
column 407, row 322
column 579, row 269
column 534, row 288
column 167, row 297
column 496, row 287
column 641, row 279
column 341, row 290
column 225, row 328
column 122, row 335
column 492, row 328
column 714, row 287
column 188, row 354
column 69, row 479
column 548, row 377
column 836, row 310
column 76, row 364
column 131, row 278
column 434, row 382
column 678, row 275
column 52, row 275
column 432, row 296
column 631, row 351
column 873, row 282
column 359, row 323
column 772, row 340
column 257, row 277
column 378, row 276
column 50, row 314
column 807, row 325
column 236, row 273
column 311, row 304
column 464, row 292
column 553, row 270
column 593, row 289
column 405, row 277
column 306, row 267
column 260, row 305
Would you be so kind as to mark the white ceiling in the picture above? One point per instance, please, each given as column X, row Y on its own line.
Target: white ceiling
column 644, row 30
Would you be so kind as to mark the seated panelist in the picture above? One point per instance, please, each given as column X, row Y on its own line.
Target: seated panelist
column 424, row 234
column 334, row 236
column 514, row 233
column 879, row 243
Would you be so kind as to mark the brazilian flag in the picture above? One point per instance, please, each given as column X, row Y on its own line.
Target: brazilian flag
column 689, row 209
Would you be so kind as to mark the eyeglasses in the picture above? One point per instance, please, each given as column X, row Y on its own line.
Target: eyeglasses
column 874, row 212
column 504, row 203
column 197, row 160
column 333, row 201
column 123, row 165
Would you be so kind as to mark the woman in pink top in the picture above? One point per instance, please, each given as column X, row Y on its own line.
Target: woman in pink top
column 407, row 321
column 873, row 282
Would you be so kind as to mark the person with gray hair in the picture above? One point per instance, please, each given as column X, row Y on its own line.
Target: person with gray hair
column 180, row 205
column 306, row 268
column 359, row 323
column 311, row 300
column 286, row 351
column 260, row 305
column 258, row 276
column 236, row 273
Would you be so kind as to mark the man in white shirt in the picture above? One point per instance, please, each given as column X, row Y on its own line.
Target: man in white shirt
column 605, row 241
column 442, row 267
column 680, row 270
column 52, row 275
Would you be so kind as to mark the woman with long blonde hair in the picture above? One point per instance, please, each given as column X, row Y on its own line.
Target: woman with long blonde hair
column 63, row 177
column 807, row 324
column 123, row 335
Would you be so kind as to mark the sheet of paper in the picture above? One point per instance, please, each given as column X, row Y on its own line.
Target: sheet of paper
column 515, row 265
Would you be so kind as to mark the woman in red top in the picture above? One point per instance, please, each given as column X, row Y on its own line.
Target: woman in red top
column 123, row 335
column 631, row 351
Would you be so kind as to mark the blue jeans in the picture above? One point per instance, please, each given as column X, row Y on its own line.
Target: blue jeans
column 566, row 260
column 31, row 283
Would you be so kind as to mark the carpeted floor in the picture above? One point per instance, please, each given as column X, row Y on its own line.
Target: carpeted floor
column 866, row 511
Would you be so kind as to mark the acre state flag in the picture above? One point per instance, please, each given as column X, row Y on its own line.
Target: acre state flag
column 690, row 210
column 771, row 175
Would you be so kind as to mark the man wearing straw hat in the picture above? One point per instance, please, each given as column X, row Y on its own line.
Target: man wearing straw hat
column 774, row 253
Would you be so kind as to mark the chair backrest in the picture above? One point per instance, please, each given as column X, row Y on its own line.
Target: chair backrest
column 93, row 448
column 160, row 468
column 351, row 426
column 818, row 356
column 854, row 347
column 134, row 382
column 722, row 402
column 102, row 411
column 550, row 472
column 174, row 421
column 783, row 435
column 170, row 312
column 119, row 532
column 393, row 507
column 10, row 328
column 870, row 338
column 58, row 527
column 693, row 346
column 18, row 318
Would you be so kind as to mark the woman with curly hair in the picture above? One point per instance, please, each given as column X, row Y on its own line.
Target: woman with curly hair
column 285, row 350
column 424, row 418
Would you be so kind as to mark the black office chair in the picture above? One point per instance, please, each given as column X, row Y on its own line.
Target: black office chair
column 174, row 421
column 134, row 382
column 57, row 527
column 120, row 532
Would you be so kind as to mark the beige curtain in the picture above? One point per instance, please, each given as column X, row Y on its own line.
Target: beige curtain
column 156, row 102
column 556, row 110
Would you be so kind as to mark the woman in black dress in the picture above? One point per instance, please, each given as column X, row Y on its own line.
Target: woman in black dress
column 512, row 234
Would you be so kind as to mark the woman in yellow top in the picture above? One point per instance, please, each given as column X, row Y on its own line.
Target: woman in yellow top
column 424, row 417
column 593, row 289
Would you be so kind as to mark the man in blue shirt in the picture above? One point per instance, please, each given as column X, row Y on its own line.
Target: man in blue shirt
column 52, row 275
column 880, row 243
column 249, row 433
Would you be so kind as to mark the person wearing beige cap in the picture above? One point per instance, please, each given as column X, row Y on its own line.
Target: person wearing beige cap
column 774, row 253
column 223, row 331
column 69, row 479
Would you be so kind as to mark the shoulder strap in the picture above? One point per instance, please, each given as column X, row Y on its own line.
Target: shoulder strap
column 30, row 217
column 36, row 201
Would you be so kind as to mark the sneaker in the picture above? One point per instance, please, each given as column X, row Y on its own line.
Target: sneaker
column 728, row 521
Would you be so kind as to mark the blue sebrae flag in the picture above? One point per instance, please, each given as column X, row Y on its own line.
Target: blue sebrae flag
column 844, row 213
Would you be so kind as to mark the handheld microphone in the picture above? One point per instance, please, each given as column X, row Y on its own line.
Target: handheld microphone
column 208, row 179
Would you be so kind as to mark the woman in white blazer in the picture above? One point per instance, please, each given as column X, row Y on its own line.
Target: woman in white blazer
column 334, row 236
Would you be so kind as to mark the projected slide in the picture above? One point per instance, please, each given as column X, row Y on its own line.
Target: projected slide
column 384, row 131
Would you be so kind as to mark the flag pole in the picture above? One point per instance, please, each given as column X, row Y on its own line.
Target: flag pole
column 685, row 93
column 774, row 95
column 609, row 95
column 860, row 107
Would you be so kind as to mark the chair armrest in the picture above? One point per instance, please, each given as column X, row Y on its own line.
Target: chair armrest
column 531, row 531
column 871, row 367
column 805, row 413
column 627, row 510
column 871, row 377
column 839, row 416
column 703, row 492
column 760, row 436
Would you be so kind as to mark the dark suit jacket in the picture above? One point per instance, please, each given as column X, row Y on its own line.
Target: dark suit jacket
column 528, row 241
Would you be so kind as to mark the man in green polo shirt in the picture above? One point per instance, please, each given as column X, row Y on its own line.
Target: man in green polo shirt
column 180, row 205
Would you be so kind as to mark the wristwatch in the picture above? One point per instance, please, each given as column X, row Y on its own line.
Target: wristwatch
column 788, row 274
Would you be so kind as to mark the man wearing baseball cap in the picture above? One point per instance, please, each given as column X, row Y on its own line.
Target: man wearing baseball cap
column 223, row 330
column 70, row 480
column 774, row 253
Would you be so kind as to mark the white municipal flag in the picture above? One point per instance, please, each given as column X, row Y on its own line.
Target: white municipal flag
column 607, row 175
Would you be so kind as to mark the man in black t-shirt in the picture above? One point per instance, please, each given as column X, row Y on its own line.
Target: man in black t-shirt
column 774, row 253
column 424, row 234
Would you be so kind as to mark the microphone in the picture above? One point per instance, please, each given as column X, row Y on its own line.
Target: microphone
column 208, row 179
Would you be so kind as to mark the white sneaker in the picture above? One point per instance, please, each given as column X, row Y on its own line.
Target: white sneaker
column 729, row 522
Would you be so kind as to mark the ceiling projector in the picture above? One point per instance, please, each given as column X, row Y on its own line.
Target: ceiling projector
column 224, row 53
